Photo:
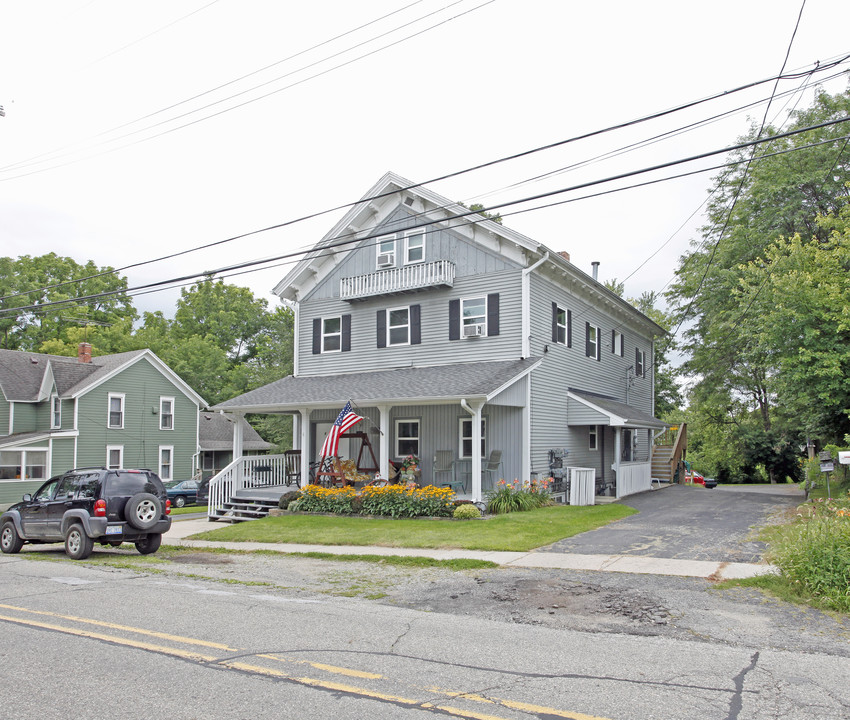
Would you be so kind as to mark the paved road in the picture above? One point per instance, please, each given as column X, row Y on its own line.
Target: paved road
column 689, row 523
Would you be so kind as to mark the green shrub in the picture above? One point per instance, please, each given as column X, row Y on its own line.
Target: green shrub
column 466, row 512
column 815, row 554
column 287, row 498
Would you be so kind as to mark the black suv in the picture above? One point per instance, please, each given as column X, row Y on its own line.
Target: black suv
column 87, row 505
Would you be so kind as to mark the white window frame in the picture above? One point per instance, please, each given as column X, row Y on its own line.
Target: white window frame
column 55, row 412
column 114, row 448
column 593, row 438
column 111, row 397
column 473, row 319
column 391, row 327
column 386, row 246
column 162, row 414
column 409, row 246
column 463, row 438
column 327, row 335
column 640, row 362
column 596, row 332
column 559, row 325
column 416, row 438
column 618, row 344
column 164, row 476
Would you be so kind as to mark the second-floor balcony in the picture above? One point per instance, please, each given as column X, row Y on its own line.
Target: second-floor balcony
column 392, row 281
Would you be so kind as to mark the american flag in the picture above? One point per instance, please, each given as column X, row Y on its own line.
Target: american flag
column 345, row 420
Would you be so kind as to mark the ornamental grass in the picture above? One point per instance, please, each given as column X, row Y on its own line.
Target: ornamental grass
column 516, row 496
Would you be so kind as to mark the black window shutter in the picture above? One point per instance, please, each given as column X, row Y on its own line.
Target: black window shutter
column 638, row 368
column 382, row 328
column 454, row 319
column 415, row 325
column 346, row 333
column 493, row 314
column 588, row 350
column 613, row 341
column 554, row 322
column 317, row 336
column 569, row 328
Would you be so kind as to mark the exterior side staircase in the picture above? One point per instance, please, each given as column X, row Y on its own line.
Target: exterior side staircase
column 661, row 457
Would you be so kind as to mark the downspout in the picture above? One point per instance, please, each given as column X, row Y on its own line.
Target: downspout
column 526, row 305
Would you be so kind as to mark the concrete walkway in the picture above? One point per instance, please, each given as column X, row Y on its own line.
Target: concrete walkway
column 182, row 529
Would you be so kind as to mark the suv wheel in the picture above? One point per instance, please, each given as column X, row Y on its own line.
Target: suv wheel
column 143, row 511
column 78, row 545
column 10, row 541
column 149, row 544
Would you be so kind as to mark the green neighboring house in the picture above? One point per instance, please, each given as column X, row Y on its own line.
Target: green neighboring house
column 124, row 410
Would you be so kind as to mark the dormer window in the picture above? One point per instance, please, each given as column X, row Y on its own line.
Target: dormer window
column 55, row 412
column 386, row 252
column 414, row 247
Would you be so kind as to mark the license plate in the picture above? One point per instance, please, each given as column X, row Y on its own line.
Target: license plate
column 114, row 530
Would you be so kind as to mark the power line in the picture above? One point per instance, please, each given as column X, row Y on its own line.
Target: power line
column 348, row 240
column 457, row 173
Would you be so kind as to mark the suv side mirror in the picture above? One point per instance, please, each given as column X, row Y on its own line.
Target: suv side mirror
column 27, row 497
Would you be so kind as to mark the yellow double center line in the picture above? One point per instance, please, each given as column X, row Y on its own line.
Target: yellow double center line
column 200, row 657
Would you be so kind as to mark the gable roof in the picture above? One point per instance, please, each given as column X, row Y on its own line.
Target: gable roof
column 392, row 191
column 23, row 374
column 215, row 432
column 410, row 385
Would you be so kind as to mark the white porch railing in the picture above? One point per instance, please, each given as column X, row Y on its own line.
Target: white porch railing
column 254, row 471
column 582, row 486
column 633, row 477
column 409, row 277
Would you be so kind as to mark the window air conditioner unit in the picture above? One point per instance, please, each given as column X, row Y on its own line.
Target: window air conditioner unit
column 476, row 330
column 385, row 259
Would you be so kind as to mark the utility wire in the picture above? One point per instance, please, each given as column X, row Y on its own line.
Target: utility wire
column 337, row 243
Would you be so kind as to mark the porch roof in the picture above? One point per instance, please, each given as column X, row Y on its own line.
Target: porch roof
column 593, row 409
column 435, row 384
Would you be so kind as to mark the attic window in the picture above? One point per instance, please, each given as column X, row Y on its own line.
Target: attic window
column 408, row 201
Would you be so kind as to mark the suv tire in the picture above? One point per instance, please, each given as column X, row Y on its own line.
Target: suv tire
column 143, row 511
column 150, row 544
column 10, row 541
column 78, row 545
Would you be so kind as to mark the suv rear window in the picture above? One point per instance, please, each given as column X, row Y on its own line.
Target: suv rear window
column 125, row 483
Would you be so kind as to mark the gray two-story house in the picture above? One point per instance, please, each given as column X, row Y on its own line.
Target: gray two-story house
column 454, row 336
column 123, row 410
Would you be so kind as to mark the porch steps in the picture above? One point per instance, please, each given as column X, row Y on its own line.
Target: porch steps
column 236, row 510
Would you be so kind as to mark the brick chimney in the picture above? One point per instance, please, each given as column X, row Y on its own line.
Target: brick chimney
column 564, row 254
column 84, row 352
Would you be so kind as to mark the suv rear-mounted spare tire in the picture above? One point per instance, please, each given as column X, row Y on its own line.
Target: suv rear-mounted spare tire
column 143, row 511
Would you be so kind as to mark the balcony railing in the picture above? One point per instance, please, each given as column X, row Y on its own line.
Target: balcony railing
column 398, row 280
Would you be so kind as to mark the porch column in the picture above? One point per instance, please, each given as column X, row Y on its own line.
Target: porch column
column 475, row 411
column 615, row 466
column 384, row 449
column 237, row 436
column 304, row 426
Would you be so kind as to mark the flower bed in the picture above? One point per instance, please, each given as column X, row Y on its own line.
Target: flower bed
column 395, row 501
column 516, row 496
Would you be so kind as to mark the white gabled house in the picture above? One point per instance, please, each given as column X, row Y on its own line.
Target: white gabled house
column 453, row 334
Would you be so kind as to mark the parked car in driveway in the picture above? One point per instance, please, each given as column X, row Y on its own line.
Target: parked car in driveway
column 182, row 492
column 89, row 505
column 697, row 479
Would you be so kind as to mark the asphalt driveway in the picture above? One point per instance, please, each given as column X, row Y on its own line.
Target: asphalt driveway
column 689, row 523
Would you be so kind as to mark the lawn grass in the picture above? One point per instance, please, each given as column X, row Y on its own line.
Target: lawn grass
column 517, row 532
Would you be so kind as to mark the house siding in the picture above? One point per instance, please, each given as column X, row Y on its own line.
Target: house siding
column 62, row 455
column 24, row 417
column 142, row 385
column 566, row 367
column 435, row 347
column 5, row 408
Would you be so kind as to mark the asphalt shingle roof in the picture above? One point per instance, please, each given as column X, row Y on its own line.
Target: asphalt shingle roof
column 411, row 384
column 631, row 414
column 215, row 432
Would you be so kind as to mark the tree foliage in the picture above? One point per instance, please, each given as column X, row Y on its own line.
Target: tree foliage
column 764, row 294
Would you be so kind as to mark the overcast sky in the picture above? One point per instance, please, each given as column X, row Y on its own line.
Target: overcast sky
column 106, row 154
